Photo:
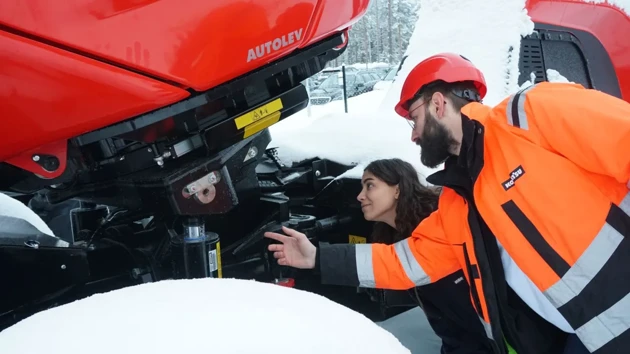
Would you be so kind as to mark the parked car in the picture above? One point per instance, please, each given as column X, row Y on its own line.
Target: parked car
column 387, row 81
column 382, row 71
column 326, row 73
column 331, row 89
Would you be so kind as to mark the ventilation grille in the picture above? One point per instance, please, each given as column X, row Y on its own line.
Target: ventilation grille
column 531, row 61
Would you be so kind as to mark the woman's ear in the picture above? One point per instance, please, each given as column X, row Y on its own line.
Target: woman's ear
column 397, row 192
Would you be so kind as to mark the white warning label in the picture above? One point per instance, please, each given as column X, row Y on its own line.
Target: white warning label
column 212, row 261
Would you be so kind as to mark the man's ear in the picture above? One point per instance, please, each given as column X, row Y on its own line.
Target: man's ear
column 439, row 103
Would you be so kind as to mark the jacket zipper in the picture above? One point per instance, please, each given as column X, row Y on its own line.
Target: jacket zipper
column 473, row 276
column 482, row 262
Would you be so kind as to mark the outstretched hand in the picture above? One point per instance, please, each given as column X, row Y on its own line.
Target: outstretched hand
column 295, row 250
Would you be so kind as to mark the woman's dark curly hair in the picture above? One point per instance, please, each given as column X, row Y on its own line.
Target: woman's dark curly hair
column 415, row 201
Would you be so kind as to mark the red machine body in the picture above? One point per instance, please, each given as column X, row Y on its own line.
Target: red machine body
column 72, row 67
column 69, row 68
column 600, row 26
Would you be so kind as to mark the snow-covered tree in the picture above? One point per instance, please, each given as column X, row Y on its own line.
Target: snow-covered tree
column 382, row 35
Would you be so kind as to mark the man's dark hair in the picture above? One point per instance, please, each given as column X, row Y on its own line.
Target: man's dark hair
column 415, row 201
column 460, row 93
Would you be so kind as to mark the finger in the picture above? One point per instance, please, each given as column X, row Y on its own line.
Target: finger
column 292, row 232
column 276, row 236
column 283, row 261
column 276, row 247
column 278, row 255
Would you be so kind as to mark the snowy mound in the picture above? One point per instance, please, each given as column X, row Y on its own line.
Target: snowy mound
column 213, row 316
column 348, row 139
column 487, row 32
column 12, row 207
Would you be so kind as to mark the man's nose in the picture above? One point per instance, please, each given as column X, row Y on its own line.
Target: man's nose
column 414, row 135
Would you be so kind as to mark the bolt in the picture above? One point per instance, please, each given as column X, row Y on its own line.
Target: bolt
column 36, row 158
column 317, row 173
column 63, row 266
column 149, row 150
column 136, row 273
column 212, row 178
column 32, row 244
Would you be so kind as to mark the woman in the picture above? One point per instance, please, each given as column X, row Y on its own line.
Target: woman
column 393, row 197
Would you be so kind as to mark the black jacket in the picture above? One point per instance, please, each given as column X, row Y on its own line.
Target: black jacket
column 446, row 303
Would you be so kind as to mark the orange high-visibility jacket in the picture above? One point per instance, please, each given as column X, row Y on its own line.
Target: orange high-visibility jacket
column 551, row 183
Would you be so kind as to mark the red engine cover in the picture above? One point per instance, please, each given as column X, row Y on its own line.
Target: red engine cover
column 48, row 95
column 56, row 82
column 196, row 43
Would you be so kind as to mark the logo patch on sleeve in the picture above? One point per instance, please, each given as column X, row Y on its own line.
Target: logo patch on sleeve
column 514, row 175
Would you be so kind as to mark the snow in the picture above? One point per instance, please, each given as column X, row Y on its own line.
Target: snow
column 482, row 31
column 353, row 139
column 373, row 65
column 222, row 316
column 552, row 76
column 10, row 206
column 623, row 5
column 555, row 76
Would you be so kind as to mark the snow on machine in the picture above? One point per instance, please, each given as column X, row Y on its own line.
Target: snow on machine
column 143, row 127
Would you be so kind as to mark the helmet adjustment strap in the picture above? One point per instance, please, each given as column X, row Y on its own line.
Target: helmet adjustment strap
column 467, row 94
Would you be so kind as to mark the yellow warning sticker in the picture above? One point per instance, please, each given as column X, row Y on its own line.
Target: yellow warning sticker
column 257, row 114
column 261, row 124
column 356, row 239
column 220, row 271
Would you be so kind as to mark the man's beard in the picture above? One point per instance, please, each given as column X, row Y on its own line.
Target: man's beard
column 436, row 142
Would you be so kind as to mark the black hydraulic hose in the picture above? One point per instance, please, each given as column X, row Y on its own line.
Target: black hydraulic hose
column 331, row 223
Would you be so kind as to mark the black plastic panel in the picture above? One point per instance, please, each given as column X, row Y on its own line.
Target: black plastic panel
column 577, row 55
column 531, row 60
column 30, row 273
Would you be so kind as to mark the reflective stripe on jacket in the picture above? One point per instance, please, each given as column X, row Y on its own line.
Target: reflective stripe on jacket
column 552, row 186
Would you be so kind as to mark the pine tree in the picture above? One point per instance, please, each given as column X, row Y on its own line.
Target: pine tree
column 382, row 35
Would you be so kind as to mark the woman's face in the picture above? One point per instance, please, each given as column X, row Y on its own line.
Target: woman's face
column 378, row 199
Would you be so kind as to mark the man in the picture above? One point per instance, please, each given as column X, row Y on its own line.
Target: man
column 535, row 195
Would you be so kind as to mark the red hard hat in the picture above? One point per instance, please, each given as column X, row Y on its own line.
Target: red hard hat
column 448, row 67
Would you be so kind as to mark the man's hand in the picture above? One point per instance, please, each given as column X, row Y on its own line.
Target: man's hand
column 294, row 251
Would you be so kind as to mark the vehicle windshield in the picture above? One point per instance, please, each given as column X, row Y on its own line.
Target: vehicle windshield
column 332, row 81
column 390, row 75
